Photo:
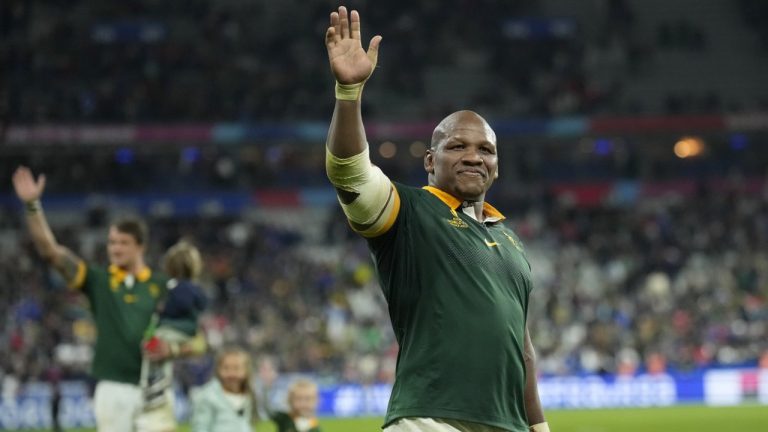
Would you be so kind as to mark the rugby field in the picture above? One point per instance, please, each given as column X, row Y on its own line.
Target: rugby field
column 752, row 418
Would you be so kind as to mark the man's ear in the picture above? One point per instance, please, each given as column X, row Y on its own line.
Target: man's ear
column 429, row 161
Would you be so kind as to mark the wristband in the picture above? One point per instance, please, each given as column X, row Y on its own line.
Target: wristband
column 539, row 427
column 349, row 92
column 33, row 206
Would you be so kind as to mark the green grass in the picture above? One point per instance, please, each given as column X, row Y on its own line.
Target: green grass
column 752, row 418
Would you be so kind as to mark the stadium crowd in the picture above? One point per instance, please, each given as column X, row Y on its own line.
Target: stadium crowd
column 201, row 61
column 676, row 283
column 618, row 289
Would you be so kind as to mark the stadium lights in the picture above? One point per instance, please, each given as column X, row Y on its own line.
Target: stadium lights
column 387, row 149
column 688, row 147
column 417, row 149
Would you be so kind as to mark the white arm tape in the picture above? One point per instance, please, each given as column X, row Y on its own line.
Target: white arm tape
column 371, row 213
column 540, row 427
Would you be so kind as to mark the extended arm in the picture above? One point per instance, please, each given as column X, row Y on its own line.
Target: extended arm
column 532, row 403
column 164, row 350
column 351, row 66
column 367, row 196
column 29, row 191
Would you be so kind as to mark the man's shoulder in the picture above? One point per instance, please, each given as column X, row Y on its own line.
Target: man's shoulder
column 404, row 187
column 407, row 192
column 95, row 269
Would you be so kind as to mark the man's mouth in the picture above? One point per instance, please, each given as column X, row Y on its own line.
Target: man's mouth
column 472, row 173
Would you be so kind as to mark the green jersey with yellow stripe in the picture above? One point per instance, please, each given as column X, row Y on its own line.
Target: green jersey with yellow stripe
column 122, row 305
column 457, row 291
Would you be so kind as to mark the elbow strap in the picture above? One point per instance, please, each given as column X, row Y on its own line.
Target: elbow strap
column 367, row 196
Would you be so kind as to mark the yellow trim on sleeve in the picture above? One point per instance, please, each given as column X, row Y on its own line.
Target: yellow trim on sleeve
column 391, row 217
column 79, row 279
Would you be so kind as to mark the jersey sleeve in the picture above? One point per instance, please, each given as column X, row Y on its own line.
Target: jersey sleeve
column 396, row 220
column 78, row 282
column 89, row 280
column 384, row 219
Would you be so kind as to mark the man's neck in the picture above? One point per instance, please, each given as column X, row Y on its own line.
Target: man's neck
column 476, row 207
column 134, row 269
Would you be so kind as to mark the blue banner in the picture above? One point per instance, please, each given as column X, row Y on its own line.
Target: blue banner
column 32, row 408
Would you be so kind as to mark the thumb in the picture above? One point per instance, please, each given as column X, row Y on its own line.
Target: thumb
column 41, row 183
column 373, row 49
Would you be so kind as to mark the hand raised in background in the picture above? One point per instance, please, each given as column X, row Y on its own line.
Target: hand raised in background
column 27, row 188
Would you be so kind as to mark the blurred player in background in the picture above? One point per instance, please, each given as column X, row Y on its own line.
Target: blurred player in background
column 227, row 402
column 176, row 323
column 302, row 407
column 123, row 298
column 456, row 280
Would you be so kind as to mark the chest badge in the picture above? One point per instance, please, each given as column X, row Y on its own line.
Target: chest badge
column 515, row 242
column 456, row 222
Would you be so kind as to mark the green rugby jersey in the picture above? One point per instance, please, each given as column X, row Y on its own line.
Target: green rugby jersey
column 457, row 292
column 122, row 314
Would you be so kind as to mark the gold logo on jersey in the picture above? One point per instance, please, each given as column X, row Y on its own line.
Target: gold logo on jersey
column 490, row 244
column 154, row 290
column 129, row 298
column 515, row 242
column 456, row 222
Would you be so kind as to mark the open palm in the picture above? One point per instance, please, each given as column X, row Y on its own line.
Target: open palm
column 27, row 188
column 350, row 63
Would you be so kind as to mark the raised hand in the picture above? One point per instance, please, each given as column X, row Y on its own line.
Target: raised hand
column 27, row 188
column 350, row 64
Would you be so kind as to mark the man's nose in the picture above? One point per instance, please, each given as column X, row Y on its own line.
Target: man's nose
column 472, row 157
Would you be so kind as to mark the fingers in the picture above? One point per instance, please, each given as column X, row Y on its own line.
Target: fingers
column 354, row 20
column 373, row 49
column 330, row 37
column 344, row 22
column 345, row 25
column 335, row 26
column 22, row 174
column 41, row 183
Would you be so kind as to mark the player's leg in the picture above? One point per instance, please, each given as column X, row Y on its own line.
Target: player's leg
column 160, row 418
column 115, row 406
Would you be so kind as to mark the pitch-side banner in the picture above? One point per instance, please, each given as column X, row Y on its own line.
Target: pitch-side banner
column 31, row 407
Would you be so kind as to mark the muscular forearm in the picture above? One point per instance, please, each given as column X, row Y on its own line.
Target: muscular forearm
column 40, row 231
column 69, row 265
column 346, row 136
column 532, row 402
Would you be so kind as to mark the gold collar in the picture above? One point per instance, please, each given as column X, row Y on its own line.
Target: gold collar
column 119, row 274
column 454, row 203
